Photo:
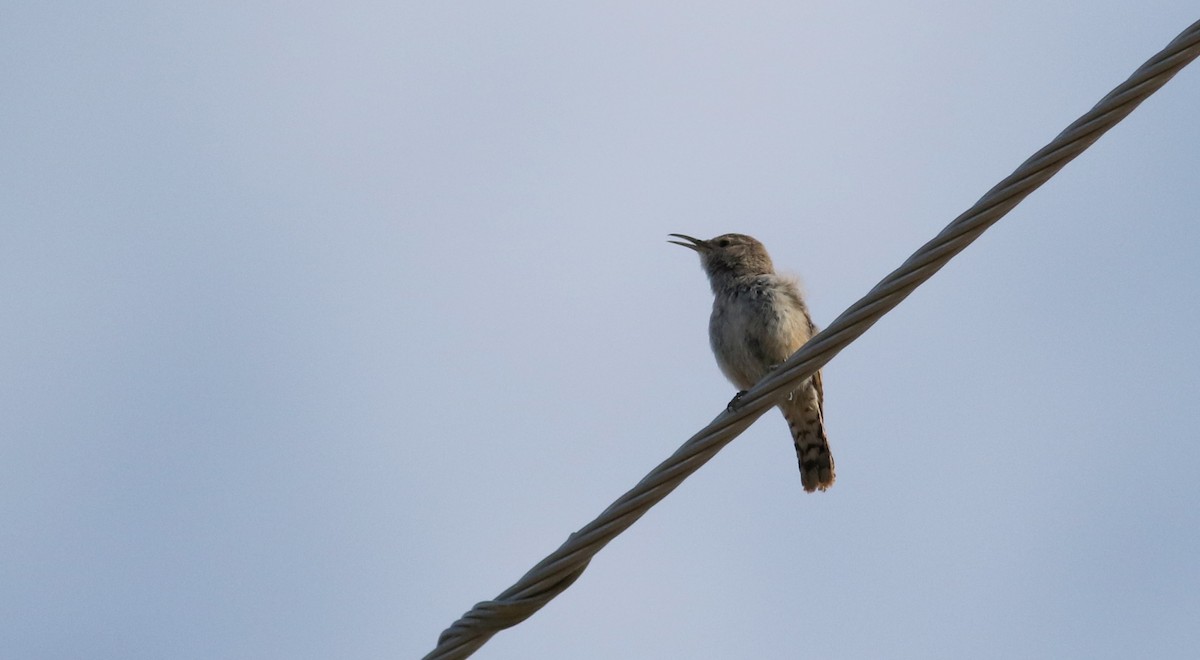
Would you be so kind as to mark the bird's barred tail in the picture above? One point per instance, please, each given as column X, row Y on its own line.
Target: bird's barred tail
column 804, row 417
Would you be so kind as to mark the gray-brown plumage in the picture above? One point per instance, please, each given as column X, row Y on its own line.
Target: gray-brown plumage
column 758, row 320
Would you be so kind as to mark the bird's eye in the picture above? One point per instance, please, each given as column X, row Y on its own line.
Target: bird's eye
column 724, row 242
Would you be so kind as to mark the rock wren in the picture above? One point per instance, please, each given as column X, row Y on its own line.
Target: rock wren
column 758, row 320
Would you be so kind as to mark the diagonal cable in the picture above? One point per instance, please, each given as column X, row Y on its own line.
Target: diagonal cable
column 555, row 573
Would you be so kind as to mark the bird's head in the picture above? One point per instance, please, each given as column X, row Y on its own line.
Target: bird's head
column 729, row 255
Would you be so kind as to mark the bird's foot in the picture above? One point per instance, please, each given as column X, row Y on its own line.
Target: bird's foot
column 735, row 402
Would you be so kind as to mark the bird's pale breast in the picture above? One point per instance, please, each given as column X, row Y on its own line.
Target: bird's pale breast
column 755, row 326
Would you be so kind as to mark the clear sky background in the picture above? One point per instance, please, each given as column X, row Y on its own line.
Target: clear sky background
column 321, row 322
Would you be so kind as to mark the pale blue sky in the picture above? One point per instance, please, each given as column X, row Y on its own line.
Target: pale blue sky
column 322, row 322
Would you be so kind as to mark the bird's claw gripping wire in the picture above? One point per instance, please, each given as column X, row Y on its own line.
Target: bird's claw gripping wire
column 736, row 401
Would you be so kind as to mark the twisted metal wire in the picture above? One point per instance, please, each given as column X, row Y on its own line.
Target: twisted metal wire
column 561, row 568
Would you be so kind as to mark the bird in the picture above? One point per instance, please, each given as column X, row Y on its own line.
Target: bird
column 759, row 318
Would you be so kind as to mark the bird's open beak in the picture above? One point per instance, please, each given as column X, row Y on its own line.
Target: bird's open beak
column 695, row 243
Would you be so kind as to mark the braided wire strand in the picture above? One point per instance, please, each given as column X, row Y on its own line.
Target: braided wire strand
column 561, row 568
